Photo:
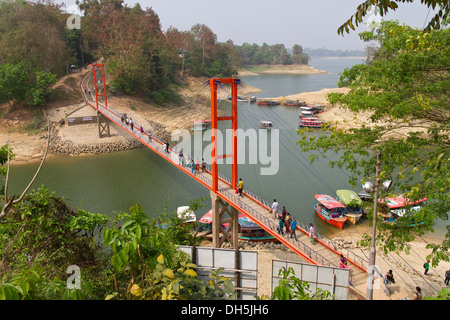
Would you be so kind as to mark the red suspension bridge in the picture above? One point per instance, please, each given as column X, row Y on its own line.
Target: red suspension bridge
column 222, row 189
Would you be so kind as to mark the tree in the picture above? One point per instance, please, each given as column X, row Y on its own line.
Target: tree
column 292, row 288
column 406, row 92
column 13, row 79
column 384, row 6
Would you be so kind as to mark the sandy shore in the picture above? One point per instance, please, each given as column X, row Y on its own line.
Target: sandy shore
column 279, row 69
column 407, row 268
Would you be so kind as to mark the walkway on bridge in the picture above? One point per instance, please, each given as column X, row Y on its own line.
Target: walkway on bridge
column 250, row 204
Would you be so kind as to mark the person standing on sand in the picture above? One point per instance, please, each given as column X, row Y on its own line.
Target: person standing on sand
column 131, row 124
column 388, row 280
column 426, row 265
column 447, row 277
column 418, row 294
column 240, row 186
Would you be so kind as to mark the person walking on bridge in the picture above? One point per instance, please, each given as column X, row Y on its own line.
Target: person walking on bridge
column 274, row 209
column 293, row 228
column 240, row 186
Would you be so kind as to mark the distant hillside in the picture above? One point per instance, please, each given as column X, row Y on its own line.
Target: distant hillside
column 324, row 52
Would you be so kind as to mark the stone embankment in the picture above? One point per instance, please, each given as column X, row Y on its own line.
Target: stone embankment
column 60, row 146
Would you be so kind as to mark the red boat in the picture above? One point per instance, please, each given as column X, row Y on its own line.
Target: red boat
column 311, row 122
column 330, row 210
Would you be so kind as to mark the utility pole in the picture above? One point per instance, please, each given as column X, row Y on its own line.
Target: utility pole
column 374, row 229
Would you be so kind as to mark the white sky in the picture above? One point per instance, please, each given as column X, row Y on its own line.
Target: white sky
column 310, row 23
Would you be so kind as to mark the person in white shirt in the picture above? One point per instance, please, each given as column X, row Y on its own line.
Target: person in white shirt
column 274, row 209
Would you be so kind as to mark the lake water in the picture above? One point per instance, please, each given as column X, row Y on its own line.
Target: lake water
column 109, row 183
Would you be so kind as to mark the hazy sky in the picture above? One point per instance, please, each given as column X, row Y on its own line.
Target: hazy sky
column 310, row 23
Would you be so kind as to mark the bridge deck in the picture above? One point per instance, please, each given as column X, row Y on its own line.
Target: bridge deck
column 251, row 205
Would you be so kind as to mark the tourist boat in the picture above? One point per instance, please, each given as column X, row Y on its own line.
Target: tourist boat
column 252, row 99
column 306, row 114
column 311, row 122
column 353, row 204
column 268, row 102
column 265, row 124
column 317, row 108
column 200, row 125
column 292, row 102
column 251, row 231
column 186, row 214
column 330, row 210
column 204, row 224
column 392, row 209
column 239, row 98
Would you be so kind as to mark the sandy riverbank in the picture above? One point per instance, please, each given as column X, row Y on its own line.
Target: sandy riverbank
column 279, row 69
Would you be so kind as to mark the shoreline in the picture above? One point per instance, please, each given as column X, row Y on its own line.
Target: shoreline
column 256, row 70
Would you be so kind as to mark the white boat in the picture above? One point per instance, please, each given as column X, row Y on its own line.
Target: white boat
column 265, row 124
column 200, row 125
column 186, row 214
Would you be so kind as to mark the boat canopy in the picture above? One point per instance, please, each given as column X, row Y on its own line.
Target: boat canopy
column 201, row 121
column 349, row 197
column 398, row 202
column 328, row 201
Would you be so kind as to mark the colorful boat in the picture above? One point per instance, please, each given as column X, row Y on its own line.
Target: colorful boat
column 204, row 224
column 268, row 102
column 265, row 124
column 317, row 108
column 353, row 204
column 239, row 98
column 392, row 209
column 311, row 122
column 292, row 102
column 330, row 210
column 306, row 114
column 251, row 231
column 200, row 125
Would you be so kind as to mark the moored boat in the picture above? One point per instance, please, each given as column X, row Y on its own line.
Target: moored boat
column 330, row 210
column 306, row 114
column 200, row 125
column 311, row 122
column 251, row 231
column 353, row 204
column 268, row 102
column 292, row 102
column 265, row 124
column 393, row 209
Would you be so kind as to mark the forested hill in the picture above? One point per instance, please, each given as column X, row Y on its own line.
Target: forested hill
column 37, row 47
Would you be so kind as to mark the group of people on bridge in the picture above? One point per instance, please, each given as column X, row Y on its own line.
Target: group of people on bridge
column 287, row 222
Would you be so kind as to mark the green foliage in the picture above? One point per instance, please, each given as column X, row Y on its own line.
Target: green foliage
column 37, row 231
column 291, row 288
column 383, row 7
column 404, row 91
column 39, row 90
column 444, row 294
